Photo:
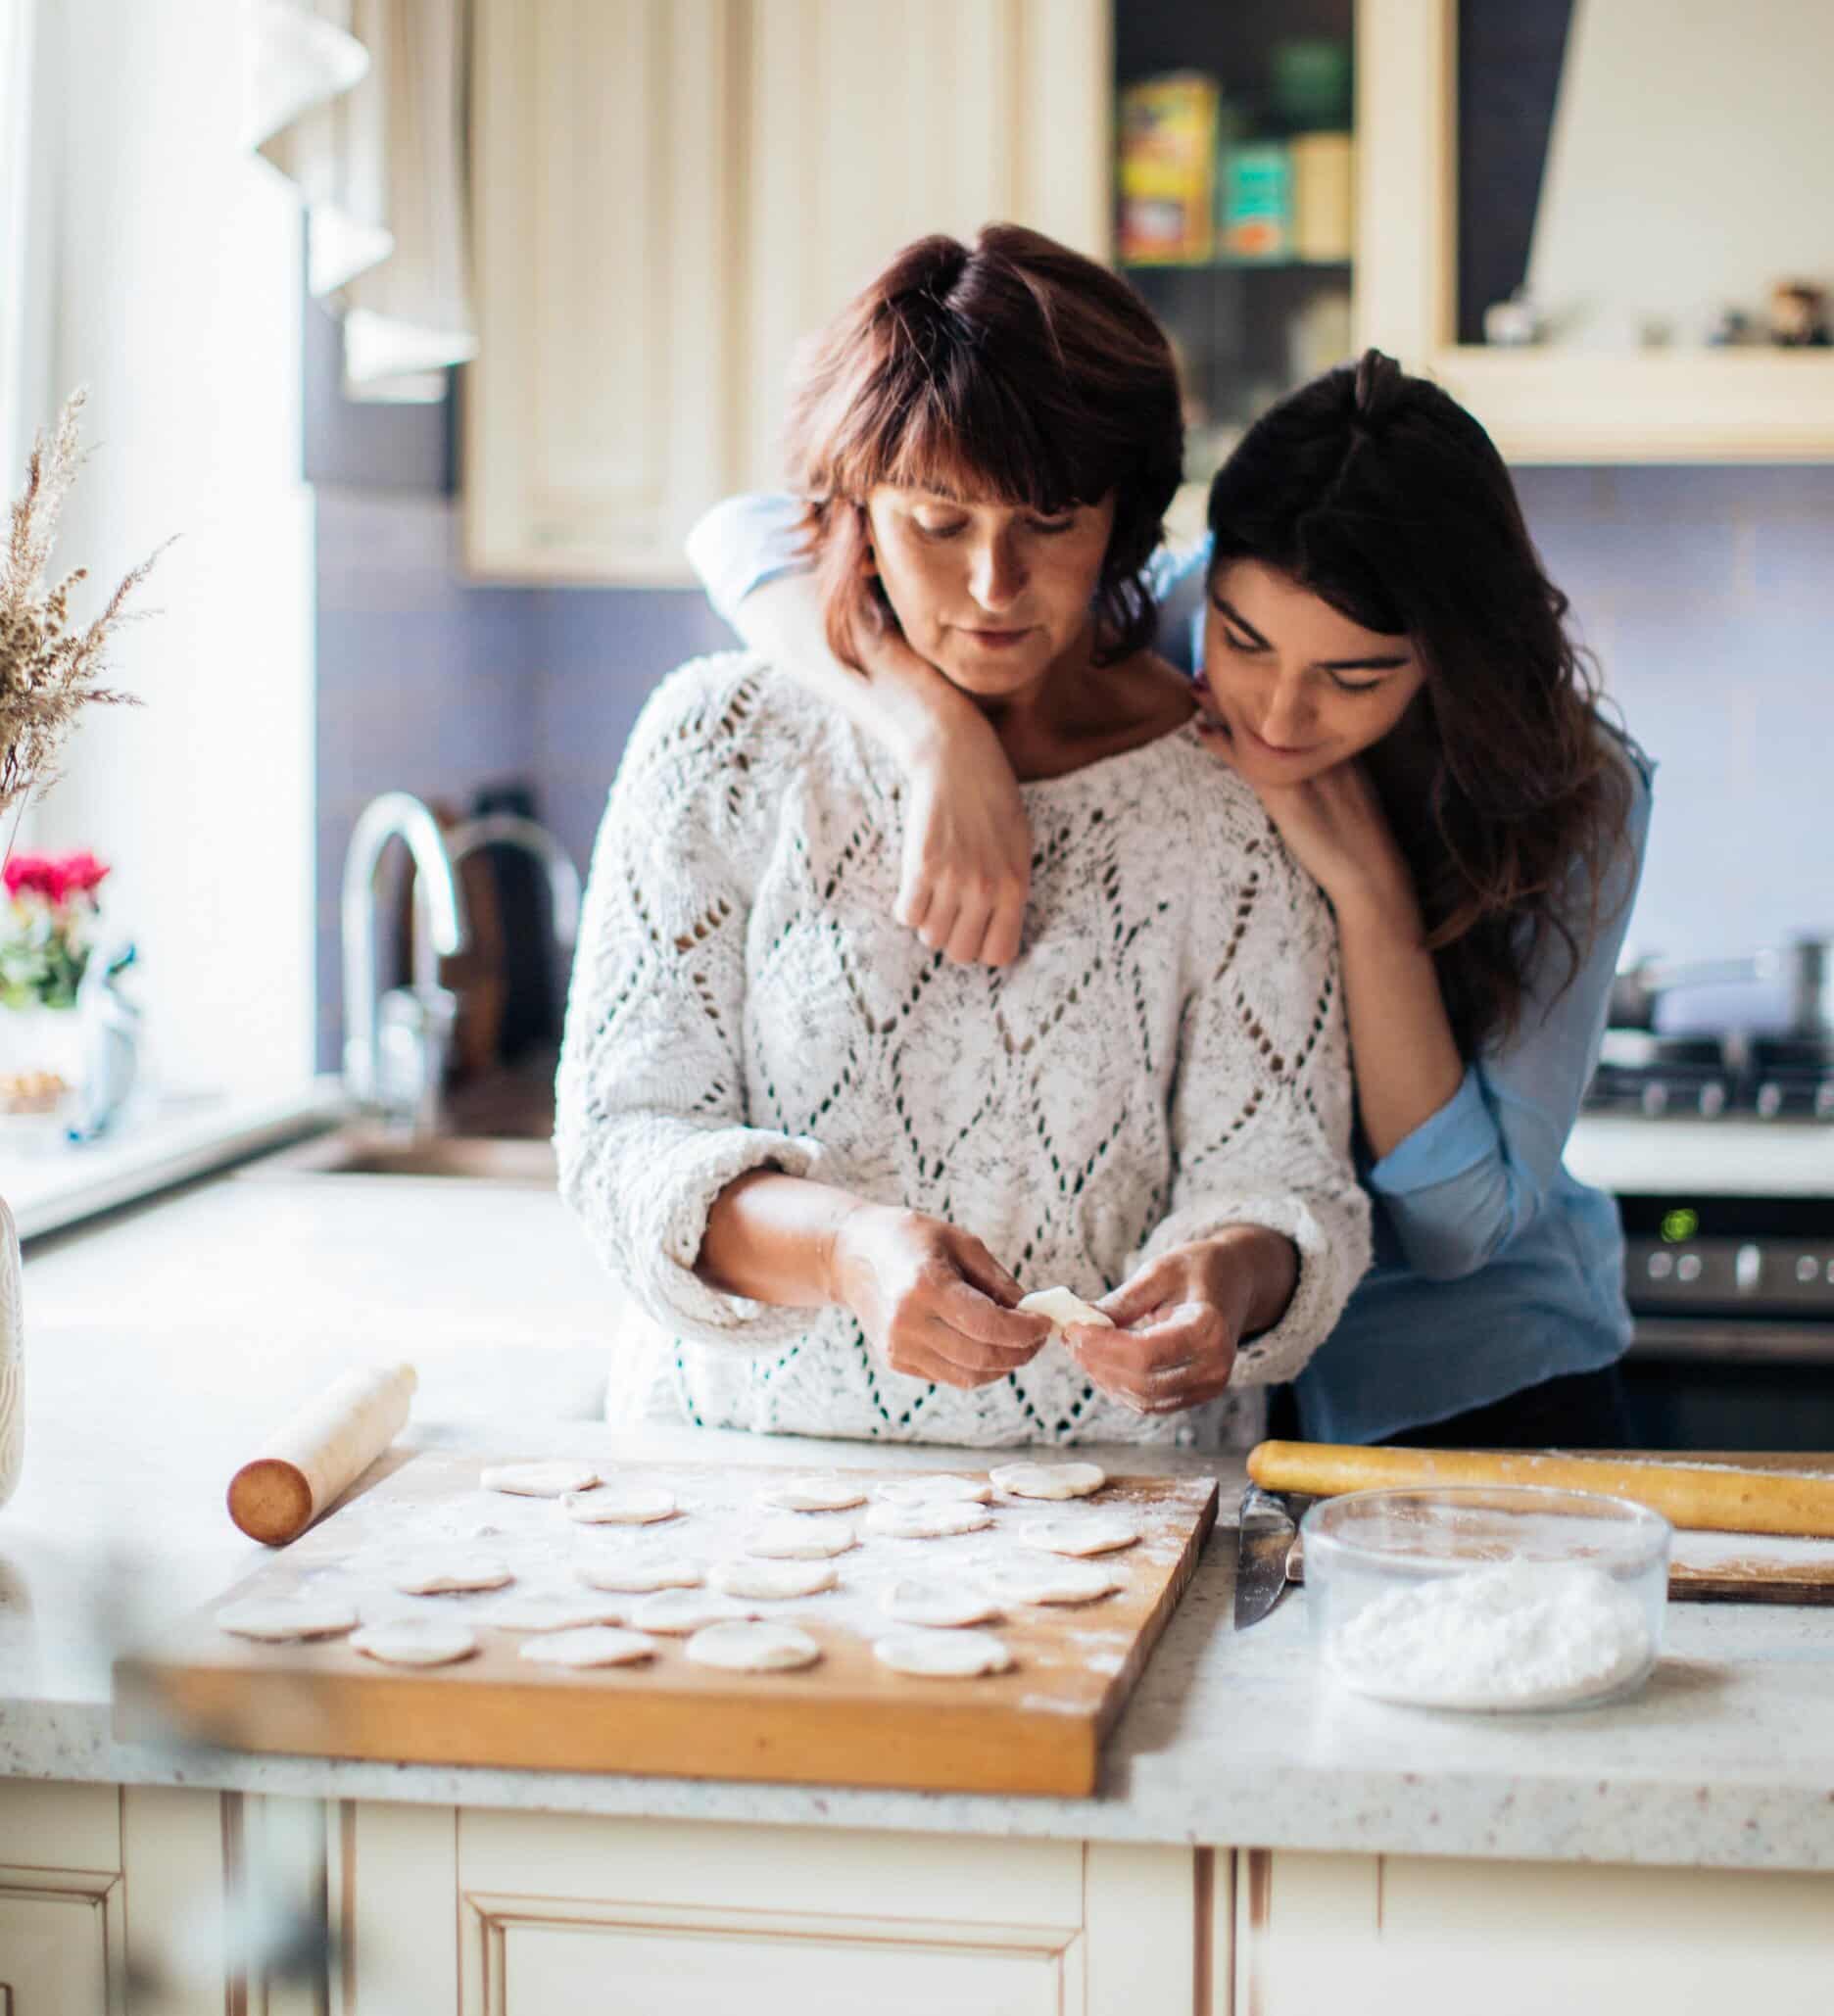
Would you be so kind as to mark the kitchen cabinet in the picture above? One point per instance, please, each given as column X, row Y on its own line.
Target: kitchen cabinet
column 62, row 1924
column 1562, row 401
column 669, row 194
column 1411, row 1936
column 551, row 1909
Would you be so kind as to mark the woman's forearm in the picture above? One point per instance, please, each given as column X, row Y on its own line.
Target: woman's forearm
column 1402, row 1054
column 903, row 704
column 770, row 1238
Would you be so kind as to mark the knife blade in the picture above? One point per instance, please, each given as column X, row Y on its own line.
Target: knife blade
column 1264, row 1533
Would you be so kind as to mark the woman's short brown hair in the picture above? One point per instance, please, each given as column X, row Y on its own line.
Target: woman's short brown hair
column 1017, row 370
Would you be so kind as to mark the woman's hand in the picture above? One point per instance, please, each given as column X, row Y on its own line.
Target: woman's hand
column 1334, row 827
column 1181, row 1319
column 967, row 865
column 934, row 1302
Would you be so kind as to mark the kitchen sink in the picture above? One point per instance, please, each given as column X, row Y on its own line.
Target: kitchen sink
column 472, row 1158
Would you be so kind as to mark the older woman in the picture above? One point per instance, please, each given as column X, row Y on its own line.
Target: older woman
column 821, row 1156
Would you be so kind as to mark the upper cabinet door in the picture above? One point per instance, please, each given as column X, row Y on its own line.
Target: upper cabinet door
column 1651, row 178
column 875, row 124
column 600, row 416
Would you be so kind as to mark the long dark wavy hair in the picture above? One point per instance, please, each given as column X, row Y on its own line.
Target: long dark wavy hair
column 1382, row 494
column 1014, row 370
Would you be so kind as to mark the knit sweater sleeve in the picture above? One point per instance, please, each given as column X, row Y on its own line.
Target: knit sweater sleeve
column 1260, row 1114
column 651, row 1106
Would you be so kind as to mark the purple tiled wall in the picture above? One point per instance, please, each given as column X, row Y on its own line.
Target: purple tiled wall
column 1708, row 595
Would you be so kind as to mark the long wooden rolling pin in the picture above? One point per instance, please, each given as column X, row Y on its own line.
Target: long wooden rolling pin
column 1700, row 1497
column 324, row 1447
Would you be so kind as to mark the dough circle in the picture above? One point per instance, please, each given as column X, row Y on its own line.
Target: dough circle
column 551, row 1613
column 277, row 1618
column 753, row 1648
column 416, row 1642
column 773, row 1581
column 811, row 1495
column 1050, row 1479
column 450, row 1575
column 937, row 1521
column 1093, row 1533
column 1063, row 1307
column 552, row 1478
column 637, row 1576
column 943, row 1655
column 675, row 1612
column 592, row 1645
column 620, row 1505
column 796, row 1539
column 1050, row 1581
column 935, row 1608
column 934, row 1489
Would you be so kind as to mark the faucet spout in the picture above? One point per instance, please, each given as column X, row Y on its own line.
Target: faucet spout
column 509, row 829
column 393, row 815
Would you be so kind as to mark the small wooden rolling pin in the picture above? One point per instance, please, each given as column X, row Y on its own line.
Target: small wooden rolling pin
column 324, row 1447
column 1700, row 1497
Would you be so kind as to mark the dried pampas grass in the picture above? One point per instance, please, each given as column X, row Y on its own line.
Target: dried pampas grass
column 49, row 672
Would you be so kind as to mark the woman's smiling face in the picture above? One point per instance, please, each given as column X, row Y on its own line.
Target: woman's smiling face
column 991, row 593
column 1298, row 686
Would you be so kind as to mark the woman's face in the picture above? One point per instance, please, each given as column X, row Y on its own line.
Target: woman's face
column 991, row 593
column 1299, row 686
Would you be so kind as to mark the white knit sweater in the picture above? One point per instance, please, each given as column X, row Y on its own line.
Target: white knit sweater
column 1167, row 1057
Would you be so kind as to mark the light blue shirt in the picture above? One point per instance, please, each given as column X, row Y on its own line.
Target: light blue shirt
column 1494, row 1268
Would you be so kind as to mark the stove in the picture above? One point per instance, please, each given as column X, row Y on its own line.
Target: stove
column 1705, row 1076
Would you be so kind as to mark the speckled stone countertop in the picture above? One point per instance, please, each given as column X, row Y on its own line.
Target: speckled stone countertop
column 160, row 1342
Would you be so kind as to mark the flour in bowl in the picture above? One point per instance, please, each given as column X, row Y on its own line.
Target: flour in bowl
column 1519, row 1635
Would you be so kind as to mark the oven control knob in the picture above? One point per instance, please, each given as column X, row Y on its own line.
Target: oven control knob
column 1688, row 1267
column 1807, row 1269
column 1660, row 1266
column 1748, row 1269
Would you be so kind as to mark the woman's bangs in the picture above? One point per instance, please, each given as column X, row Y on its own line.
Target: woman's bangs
column 962, row 434
column 1332, row 561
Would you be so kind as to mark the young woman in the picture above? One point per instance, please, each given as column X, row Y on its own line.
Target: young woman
column 818, row 1153
column 1383, row 662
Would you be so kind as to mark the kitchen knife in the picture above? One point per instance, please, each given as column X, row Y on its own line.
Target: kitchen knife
column 1264, row 1537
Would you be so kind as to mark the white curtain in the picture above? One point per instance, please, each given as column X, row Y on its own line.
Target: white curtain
column 22, row 396
column 362, row 104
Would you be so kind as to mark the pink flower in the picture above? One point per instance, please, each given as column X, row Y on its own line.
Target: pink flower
column 54, row 878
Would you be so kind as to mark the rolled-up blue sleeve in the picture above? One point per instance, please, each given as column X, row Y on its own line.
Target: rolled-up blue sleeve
column 1473, row 1177
column 742, row 542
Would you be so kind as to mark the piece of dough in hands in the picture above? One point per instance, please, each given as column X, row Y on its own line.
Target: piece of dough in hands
column 1063, row 1307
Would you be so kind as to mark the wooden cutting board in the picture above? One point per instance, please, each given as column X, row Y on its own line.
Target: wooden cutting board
column 847, row 1720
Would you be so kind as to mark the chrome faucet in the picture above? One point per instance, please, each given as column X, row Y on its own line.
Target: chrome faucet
column 395, row 1048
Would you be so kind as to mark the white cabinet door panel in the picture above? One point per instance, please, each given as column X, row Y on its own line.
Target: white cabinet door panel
column 54, row 1953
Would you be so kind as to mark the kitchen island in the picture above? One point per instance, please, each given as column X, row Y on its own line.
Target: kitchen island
column 1258, row 1842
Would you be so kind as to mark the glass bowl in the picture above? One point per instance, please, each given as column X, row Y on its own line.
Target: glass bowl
column 1486, row 1598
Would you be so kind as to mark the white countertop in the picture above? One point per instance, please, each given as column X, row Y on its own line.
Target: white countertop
column 160, row 1342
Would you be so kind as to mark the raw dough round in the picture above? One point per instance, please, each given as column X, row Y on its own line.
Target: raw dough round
column 620, row 1505
column 937, row 1609
column 934, row 1489
column 1093, row 1533
column 448, row 1574
column 677, row 1611
column 943, row 1655
column 773, row 1581
column 416, row 1642
column 595, row 1645
column 936, row 1522
column 551, row 1613
column 636, row 1575
column 1050, row 1581
column 753, row 1648
column 276, row 1618
column 803, row 1540
column 1050, row 1479
column 554, row 1478
column 811, row 1495
column 1063, row 1307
